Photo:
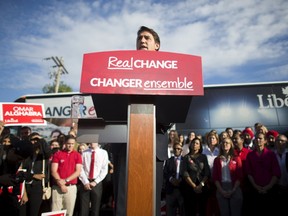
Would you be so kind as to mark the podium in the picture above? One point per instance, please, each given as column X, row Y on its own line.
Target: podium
column 131, row 112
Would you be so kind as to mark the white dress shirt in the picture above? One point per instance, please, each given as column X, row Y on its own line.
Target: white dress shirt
column 210, row 155
column 100, row 165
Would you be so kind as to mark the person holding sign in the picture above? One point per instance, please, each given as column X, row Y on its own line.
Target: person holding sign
column 12, row 178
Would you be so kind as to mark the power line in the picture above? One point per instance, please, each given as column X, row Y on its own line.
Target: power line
column 20, row 56
column 61, row 70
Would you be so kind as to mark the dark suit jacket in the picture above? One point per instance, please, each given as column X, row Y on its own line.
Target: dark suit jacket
column 170, row 171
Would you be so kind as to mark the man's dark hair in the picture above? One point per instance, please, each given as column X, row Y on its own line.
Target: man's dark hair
column 26, row 127
column 69, row 136
column 151, row 31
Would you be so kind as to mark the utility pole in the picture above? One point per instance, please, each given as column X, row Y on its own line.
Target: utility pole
column 60, row 70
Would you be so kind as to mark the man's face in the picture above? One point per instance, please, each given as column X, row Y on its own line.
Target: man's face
column 94, row 145
column 238, row 141
column 177, row 150
column 24, row 133
column 145, row 41
column 281, row 142
column 260, row 141
column 271, row 141
column 247, row 138
column 70, row 145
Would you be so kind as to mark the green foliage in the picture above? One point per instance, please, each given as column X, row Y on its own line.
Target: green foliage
column 51, row 88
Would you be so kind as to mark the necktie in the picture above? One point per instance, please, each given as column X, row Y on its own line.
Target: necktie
column 91, row 173
column 177, row 167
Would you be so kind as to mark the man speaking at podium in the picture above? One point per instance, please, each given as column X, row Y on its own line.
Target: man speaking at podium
column 148, row 39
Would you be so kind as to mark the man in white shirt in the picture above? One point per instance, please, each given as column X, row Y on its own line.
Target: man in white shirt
column 91, row 177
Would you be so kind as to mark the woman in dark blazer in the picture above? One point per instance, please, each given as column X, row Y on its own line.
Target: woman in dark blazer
column 34, row 167
column 196, row 173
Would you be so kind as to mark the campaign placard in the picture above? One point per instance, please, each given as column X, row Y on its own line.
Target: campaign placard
column 14, row 114
column 55, row 213
column 141, row 73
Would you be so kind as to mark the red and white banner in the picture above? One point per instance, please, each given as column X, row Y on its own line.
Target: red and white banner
column 141, row 73
column 22, row 114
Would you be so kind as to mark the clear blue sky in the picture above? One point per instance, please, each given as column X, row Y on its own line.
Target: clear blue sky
column 239, row 41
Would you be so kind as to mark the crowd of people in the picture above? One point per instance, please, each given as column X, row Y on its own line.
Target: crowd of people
column 234, row 172
column 75, row 171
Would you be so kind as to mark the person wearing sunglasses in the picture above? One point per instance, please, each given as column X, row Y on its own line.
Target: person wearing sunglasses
column 174, row 184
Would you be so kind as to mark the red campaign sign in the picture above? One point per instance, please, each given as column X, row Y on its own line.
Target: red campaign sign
column 141, row 73
column 55, row 213
column 22, row 114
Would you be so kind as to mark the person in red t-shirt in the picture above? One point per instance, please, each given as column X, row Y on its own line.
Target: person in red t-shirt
column 65, row 169
column 238, row 141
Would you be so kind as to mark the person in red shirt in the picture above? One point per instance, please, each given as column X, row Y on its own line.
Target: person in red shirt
column 238, row 141
column 263, row 172
column 248, row 138
column 65, row 169
column 239, row 150
column 227, row 174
